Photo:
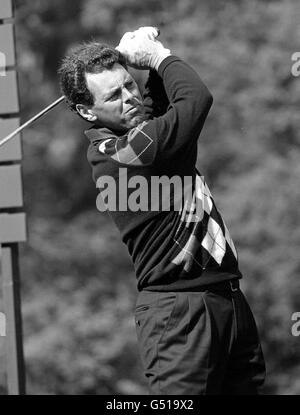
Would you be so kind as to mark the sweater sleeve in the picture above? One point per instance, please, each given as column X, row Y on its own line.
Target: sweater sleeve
column 178, row 130
column 155, row 99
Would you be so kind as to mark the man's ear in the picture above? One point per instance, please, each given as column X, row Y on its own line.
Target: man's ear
column 86, row 112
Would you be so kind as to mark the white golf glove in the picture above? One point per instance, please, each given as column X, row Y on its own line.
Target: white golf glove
column 141, row 49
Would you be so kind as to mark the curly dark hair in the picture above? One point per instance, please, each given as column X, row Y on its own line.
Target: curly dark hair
column 89, row 57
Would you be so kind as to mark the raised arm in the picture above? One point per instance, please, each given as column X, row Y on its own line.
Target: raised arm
column 189, row 99
column 155, row 98
column 170, row 137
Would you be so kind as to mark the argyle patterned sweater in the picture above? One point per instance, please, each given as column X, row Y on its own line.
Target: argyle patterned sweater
column 188, row 245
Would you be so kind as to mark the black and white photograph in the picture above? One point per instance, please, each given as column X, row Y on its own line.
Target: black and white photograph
column 149, row 200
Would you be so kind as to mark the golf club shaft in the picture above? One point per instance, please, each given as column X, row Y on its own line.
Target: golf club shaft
column 26, row 124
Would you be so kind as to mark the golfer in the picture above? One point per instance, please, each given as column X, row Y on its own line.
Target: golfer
column 196, row 332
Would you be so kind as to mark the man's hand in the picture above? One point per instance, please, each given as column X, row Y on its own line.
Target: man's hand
column 141, row 49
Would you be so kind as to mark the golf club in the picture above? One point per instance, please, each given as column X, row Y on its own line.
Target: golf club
column 27, row 123
column 146, row 30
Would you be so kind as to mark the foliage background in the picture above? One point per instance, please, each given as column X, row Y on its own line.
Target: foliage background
column 78, row 285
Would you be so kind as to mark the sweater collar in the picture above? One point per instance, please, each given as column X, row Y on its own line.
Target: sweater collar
column 96, row 133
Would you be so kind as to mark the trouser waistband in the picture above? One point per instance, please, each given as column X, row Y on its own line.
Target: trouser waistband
column 228, row 285
column 232, row 285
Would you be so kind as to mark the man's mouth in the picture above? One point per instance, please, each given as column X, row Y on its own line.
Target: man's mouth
column 132, row 110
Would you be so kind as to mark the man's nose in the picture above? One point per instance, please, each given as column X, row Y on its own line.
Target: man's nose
column 127, row 95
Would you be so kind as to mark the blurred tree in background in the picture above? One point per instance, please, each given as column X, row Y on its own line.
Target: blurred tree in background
column 78, row 283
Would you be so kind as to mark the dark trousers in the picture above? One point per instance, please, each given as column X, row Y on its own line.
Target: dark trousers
column 199, row 343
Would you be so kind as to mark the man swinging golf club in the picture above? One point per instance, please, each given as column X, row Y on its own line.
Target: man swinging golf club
column 196, row 332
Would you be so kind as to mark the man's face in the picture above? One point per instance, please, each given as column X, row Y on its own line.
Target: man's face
column 117, row 100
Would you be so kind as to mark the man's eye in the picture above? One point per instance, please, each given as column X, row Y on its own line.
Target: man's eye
column 129, row 84
column 113, row 97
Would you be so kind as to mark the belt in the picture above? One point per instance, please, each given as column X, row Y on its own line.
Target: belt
column 230, row 285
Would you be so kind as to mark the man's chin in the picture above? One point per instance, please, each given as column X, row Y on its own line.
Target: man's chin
column 138, row 119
